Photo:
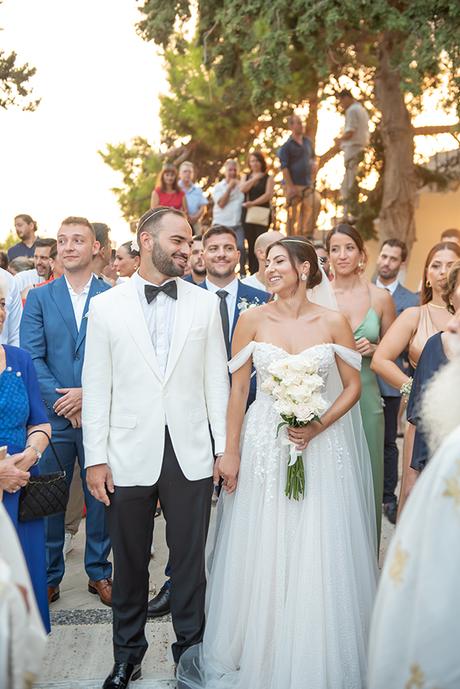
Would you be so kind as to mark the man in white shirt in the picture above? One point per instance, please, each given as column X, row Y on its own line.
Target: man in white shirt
column 263, row 241
column 53, row 331
column 228, row 205
column 353, row 142
column 155, row 382
column 10, row 332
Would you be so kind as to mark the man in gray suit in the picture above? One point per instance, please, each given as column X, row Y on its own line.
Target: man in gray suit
column 391, row 259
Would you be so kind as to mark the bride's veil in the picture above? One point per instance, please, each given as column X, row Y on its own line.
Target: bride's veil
column 324, row 295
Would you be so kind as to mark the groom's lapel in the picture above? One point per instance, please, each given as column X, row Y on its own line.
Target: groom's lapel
column 185, row 309
column 133, row 315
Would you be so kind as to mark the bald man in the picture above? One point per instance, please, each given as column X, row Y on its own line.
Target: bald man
column 261, row 245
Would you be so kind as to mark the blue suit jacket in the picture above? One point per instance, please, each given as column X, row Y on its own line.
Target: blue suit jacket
column 251, row 294
column 49, row 333
column 403, row 299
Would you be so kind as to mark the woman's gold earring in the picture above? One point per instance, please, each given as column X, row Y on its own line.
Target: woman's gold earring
column 427, row 283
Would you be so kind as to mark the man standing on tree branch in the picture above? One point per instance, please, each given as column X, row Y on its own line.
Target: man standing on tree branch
column 353, row 142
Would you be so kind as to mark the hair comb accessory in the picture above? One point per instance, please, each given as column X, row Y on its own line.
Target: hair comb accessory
column 135, row 246
column 152, row 214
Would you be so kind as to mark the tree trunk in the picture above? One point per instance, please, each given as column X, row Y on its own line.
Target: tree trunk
column 396, row 217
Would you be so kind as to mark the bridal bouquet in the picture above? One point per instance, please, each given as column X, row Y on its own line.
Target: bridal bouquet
column 295, row 385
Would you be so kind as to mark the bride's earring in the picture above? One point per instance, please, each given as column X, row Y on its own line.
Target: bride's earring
column 303, row 277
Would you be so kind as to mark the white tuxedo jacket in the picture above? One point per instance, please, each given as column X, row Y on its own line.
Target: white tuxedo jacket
column 126, row 400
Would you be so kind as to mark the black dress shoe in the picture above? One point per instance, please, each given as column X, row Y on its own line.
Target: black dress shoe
column 122, row 674
column 390, row 510
column 160, row 605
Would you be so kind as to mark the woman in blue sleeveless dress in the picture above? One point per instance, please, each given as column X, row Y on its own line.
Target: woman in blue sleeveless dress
column 22, row 411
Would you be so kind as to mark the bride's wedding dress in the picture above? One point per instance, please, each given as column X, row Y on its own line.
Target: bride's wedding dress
column 292, row 583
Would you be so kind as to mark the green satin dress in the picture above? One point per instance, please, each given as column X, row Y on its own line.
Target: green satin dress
column 372, row 410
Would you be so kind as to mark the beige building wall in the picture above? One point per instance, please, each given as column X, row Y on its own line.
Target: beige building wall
column 435, row 212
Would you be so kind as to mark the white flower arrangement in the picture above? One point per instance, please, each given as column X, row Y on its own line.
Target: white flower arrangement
column 135, row 246
column 244, row 304
column 295, row 386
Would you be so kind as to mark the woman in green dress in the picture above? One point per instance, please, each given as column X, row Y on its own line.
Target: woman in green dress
column 370, row 311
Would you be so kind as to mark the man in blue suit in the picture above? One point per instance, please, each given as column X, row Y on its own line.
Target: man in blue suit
column 53, row 331
column 221, row 257
column 393, row 255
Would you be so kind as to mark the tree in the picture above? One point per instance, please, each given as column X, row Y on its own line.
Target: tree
column 15, row 86
column 294, row 49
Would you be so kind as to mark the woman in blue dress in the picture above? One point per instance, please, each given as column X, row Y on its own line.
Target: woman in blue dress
column 22, row 411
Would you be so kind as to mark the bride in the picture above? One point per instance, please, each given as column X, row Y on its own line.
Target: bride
column 292, row 583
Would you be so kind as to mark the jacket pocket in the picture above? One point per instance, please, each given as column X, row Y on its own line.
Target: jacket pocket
column 123, row 421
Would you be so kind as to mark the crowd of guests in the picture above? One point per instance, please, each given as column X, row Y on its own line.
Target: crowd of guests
column 402, row 337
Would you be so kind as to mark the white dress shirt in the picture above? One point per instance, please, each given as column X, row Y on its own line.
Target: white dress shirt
column 391, row 287
column 78, row 300
column 159, row 316
column 230, row 299
column 27, row 278
column 10, row 333
column 253, row 281
column 230, row 214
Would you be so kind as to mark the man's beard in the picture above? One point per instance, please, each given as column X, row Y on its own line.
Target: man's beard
column 200, row 271
column 214, row 273
column 440, row 406
column 164, row 263
column 391, row 275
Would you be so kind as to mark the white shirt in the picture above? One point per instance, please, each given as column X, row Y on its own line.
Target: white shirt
column 78, row 300
column 356, row 121
column 230, row 299
column 230, row 214
column 391, row 287
column 159, row 316
column 10, row 333
column 253, row 281
column 27, row 278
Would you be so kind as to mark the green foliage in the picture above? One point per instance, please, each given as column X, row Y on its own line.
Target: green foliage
column 139, row 166
column 9, row 241
column 15, row 86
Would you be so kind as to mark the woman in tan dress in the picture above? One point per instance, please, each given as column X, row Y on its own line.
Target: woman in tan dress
column 410, row 332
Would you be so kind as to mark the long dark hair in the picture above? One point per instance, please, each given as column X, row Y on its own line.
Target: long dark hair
column 426, row 294
column 260, row 157
column 349, row 231
column 300, row 250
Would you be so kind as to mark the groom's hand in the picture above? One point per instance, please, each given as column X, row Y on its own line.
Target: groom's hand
column 100, row 482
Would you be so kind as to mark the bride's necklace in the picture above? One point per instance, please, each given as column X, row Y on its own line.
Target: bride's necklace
column 436, row 306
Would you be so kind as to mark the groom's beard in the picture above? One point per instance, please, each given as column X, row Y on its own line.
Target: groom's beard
column 163, row 262
column 440, row 407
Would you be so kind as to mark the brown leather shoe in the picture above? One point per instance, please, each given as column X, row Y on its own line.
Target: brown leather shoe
column 103, row 589
column 53, row 594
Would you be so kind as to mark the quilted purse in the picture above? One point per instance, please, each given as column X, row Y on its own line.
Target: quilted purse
column 44, row 495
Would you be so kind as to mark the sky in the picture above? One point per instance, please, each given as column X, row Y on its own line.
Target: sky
column 98, row 82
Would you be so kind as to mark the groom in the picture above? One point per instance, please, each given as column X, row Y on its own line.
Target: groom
column 155, row 379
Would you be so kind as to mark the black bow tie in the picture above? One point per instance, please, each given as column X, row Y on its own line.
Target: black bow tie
column 152, row 291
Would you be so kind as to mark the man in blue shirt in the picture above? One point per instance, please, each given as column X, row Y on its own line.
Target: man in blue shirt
column 298, row 163
column 26, row 229
column 196, row 200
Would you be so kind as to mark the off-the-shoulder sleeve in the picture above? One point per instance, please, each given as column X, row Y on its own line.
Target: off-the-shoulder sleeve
column 241, row 358
column 349, row 356
column 37, row 411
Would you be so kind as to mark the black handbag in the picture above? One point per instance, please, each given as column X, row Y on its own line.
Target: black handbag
column 44, row 495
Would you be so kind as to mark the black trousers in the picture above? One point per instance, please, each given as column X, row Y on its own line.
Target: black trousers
column 390, row 475
column 186, row 506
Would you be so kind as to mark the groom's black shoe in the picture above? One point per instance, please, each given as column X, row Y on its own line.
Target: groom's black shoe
column 160, row 605
column 122, row 674
column 390, row 510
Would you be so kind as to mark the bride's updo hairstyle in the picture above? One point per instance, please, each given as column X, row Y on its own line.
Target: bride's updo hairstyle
column 300, row 250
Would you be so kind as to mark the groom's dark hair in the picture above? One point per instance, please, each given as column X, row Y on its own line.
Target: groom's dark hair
column 152, row 219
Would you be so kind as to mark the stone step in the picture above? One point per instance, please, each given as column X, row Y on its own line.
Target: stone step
column 97, row 684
